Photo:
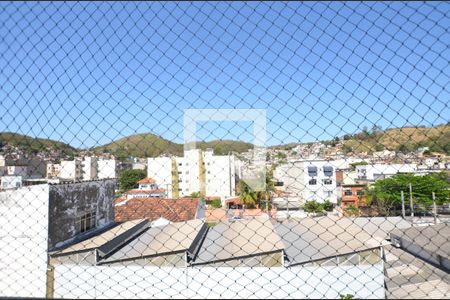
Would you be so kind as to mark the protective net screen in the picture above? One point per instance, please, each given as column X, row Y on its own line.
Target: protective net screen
column 225, row 150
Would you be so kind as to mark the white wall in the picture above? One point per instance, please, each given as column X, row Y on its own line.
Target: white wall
column 372, row 172
column 89, row 167
column 208, row 282
column 71, row 169
column 220, row 176
column 160, row 169
column 107, row 168
column 23, row 241
column 190, row 172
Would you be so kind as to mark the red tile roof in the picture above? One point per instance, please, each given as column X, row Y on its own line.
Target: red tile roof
column 147, row 180
column 174, row 210
column 138, row 191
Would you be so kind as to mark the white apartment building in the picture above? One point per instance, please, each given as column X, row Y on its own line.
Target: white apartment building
column 197, row 171
column 89, row 168
column 107, row 168
column 306, row 180
column 379, row 171
column 71, row 169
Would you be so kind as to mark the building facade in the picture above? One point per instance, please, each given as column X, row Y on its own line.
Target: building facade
column 197, row 171
column 380, row 171
column 308, row 180
column 71, row 170
column 354, row 194
column 107, row 168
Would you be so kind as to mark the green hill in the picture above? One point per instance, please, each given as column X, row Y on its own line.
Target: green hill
column 150, row 145
column 34, row 145
column 404, row 139
column 141, row 145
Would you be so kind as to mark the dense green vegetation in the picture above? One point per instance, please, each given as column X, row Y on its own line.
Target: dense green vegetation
column 385, row 194
column 313, row 206
column 34, row 145
column 128, row 179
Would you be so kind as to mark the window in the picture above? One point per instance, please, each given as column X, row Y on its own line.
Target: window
column 312, row 171
column 348, row 192
column 327, row 181
column 179, row 180
column 179, row 164
column 312, row 181
column 360, row 193
column 87, row 221
column 328, row 171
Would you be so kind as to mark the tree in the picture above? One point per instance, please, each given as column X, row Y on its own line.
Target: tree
column 346, row 149
column 403, row 148
column 281, row 155
column 247, row 195
column 262, row 192
column 195, row 194
column 385, row 193
column 379, row 147
column 129, row 178
column 357, row 163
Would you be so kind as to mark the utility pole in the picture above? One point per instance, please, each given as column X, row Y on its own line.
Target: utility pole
column 434, row 208
column 403, row 203
column 411, row 200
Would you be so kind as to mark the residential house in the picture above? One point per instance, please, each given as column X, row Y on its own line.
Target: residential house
column 147, row 188
column 354, row 194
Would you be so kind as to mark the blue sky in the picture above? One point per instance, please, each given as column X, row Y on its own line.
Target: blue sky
column 89, row 73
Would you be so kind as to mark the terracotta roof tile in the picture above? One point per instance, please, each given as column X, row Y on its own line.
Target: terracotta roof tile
column 174, row 210
column 138, row 191
column 147, row 180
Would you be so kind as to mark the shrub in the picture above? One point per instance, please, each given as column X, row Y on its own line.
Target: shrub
column 328, row 206
column 313, row 207
column 352, row 210
column 216, row 203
